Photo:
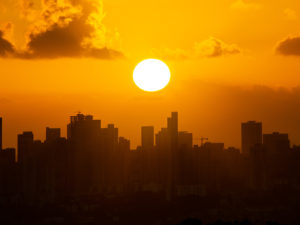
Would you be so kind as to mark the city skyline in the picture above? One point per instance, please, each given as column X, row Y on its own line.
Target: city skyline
column 95, row 165
column 251, row 134
column 196, row 140
column 230, row 61
column 161, row 112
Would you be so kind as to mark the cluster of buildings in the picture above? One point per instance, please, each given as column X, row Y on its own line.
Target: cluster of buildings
column 95, row 161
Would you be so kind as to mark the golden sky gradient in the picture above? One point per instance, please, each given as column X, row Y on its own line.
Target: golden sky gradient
column 231, row 61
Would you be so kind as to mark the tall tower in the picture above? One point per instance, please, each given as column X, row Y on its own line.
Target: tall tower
column 251, row 135
column 85, row 159
column 173, row 131
column 147, row 137
column 27, row 159
column 0, row 133
column 172, row 148
column 25, row 144
column 110, row 136
column 83, row 128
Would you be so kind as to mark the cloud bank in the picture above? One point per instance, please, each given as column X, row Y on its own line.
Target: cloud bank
column 289, row 47
column 69, row 28
column 226, row 106
column 6, row 48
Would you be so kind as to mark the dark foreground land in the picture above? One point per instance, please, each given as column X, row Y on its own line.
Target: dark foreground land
column 147, row 208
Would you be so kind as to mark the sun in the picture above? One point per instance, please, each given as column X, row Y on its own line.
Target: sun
column 151, row 75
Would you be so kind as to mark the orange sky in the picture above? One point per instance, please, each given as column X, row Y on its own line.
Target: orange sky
column 231, row 61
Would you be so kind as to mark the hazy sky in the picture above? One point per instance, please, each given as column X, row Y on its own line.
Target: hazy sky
column 231, row 61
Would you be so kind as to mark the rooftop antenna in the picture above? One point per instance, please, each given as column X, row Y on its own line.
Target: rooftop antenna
column 202, row 139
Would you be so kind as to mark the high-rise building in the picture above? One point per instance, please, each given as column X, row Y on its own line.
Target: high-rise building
column 111, row 158
column 213, row 148
column 161, row 139
column 0, row 133
column 173, row 125
column 172, row 152
column 185, row 140
column 276, row 142
column 84, row 140
column 25, row 144
column 251, row 135
column 52, row 134
column 8, row 155
column 147, row 137
column 109, row 138
column 257, row 173
column 173, row 131
column 83, row 127
column 124, row 144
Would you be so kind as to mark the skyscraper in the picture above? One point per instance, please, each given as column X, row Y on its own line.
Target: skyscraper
column 147, row 137
column 161, row 139
column 83, row 128
column 173, row 131
column 25, row 143
column 251, row 135
column 0, row 133
column 172, row 152
column 109, row 138
column 110, row 157
column 84, row 139
column 124, row 144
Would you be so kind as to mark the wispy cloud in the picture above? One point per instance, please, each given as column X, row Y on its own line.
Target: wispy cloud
column 211, row 47
column 290, row 14
column 243, row 5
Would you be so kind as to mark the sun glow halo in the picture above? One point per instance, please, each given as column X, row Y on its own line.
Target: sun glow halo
column 151, row 75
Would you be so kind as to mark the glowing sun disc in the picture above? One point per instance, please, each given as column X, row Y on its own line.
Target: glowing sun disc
column 151, row 75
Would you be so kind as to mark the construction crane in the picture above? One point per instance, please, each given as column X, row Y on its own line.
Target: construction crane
column 202, row 139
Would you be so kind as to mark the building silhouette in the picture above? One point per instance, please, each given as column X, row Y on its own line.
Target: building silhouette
column 52, row 134
column 83, row 134
column 251, row 135
column 185, row 140
column 147, row 137
column 276, row 142
column 93, row 168
column 0, row 133
column 25, row 143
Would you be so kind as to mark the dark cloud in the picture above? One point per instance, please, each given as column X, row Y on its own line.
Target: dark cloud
column 58, row 41
column 6, row 48
column 289, row 46
column 71, row 28
column 64, row 41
